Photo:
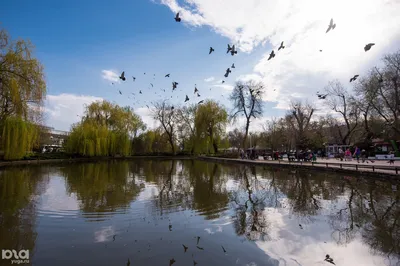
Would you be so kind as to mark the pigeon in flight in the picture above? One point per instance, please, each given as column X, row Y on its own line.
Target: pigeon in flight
column 151, row 85
column 320, row 50
column 329, row 259
column 331, row 26
column 271, row 55
column 187, row 98
column 200, row 102
column 144, row 73
column 195, row 89
column 281, row 47
column 322, row 97
column 167, row 76
column 223, row 81
column 174, row 84
column 211, row 50
column 177, row 18
column 133, row 78
column 354, row 78
column 120, row 92
column 184, row 247
column 233, row 50
column 227, row 73
column 198, row 95
column 368, row 46
column 123, row 76
column 229, row 49
column 233, row 66
column 140, row 92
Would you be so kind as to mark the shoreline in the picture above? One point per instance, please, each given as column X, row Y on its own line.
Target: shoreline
column 336, row 167
column 4, row 164
column 358, row 169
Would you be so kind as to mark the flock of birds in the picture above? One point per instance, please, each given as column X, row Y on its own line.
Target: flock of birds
column 233, row 51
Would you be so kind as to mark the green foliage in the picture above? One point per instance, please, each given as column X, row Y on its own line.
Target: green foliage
column 18, row 138
column 104, row 131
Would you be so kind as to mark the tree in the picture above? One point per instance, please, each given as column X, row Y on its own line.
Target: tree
column 299, row 118
column 166, row 115
column 340, row 101
column 105, row 130
column 22, row 84
column 210, row 122
column 186, row 126
column 381, row 91
column 247, row 100
column 22, row 91
column 235, row 138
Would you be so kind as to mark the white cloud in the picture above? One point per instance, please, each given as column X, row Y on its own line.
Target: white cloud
column 226, row 87
column 147, row 117
column 63, row 110
column 299, row 70
column 110, row 75
column 209, row 79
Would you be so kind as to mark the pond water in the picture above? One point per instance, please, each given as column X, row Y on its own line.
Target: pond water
column 189, row 212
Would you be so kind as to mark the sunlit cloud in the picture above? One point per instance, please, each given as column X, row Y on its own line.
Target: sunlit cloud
column 110, row 75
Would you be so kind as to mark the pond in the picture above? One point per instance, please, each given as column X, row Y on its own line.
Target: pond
column 190, row 212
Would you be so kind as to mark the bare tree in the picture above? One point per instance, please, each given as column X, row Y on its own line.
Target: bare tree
column 299, row 118
column 164, row 113
column 247, row 100
column 339, row 101
column 383, row 93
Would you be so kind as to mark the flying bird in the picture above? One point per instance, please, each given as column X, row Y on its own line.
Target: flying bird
column 187, row 98
column 331, row 26
column 281, row 47
column 329, row 259
column 177, row 18
column 233, row 65
column 211, row 50
column 223, row 249
column 271, row 55
column 322, row 97
column 227, row 73
column 133, row 78
column 167, row 76
column 122, row 76
column 354, row 78
column 202, row 101
column 151, row 84
column 140, row 92
column 120, row 92
column 223, row 81
column 171, row 261
column 184, row 247
column 320, row 50
column 200, row 248
column 233, row 50
column 195, row 89
column 198, row 95
column 172, row 108
column 229, row 48
column 368, row 46
column 174, row 84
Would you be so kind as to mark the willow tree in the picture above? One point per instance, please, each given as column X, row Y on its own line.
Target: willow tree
column 105, row 129
column 246, row 98
column 22, row 83
column 22, row 93
column 210, row 123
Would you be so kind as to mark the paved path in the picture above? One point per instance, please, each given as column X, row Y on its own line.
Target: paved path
column 378, row 167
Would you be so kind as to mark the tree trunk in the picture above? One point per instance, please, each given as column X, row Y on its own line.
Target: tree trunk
column 246, row 133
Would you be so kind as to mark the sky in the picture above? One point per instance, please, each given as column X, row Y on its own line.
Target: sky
column 85, row 45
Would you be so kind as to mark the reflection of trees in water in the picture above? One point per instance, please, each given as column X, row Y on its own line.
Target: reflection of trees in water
column 101, row 187
column 372, row 210
column 191, row 184
column 17, row 206
column 249, row 203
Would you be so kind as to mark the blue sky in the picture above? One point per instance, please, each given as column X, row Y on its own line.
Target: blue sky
column 77, row 40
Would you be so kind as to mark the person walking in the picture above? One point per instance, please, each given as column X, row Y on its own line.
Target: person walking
column 363, row 155
column 357, row 153
column 347, row 155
